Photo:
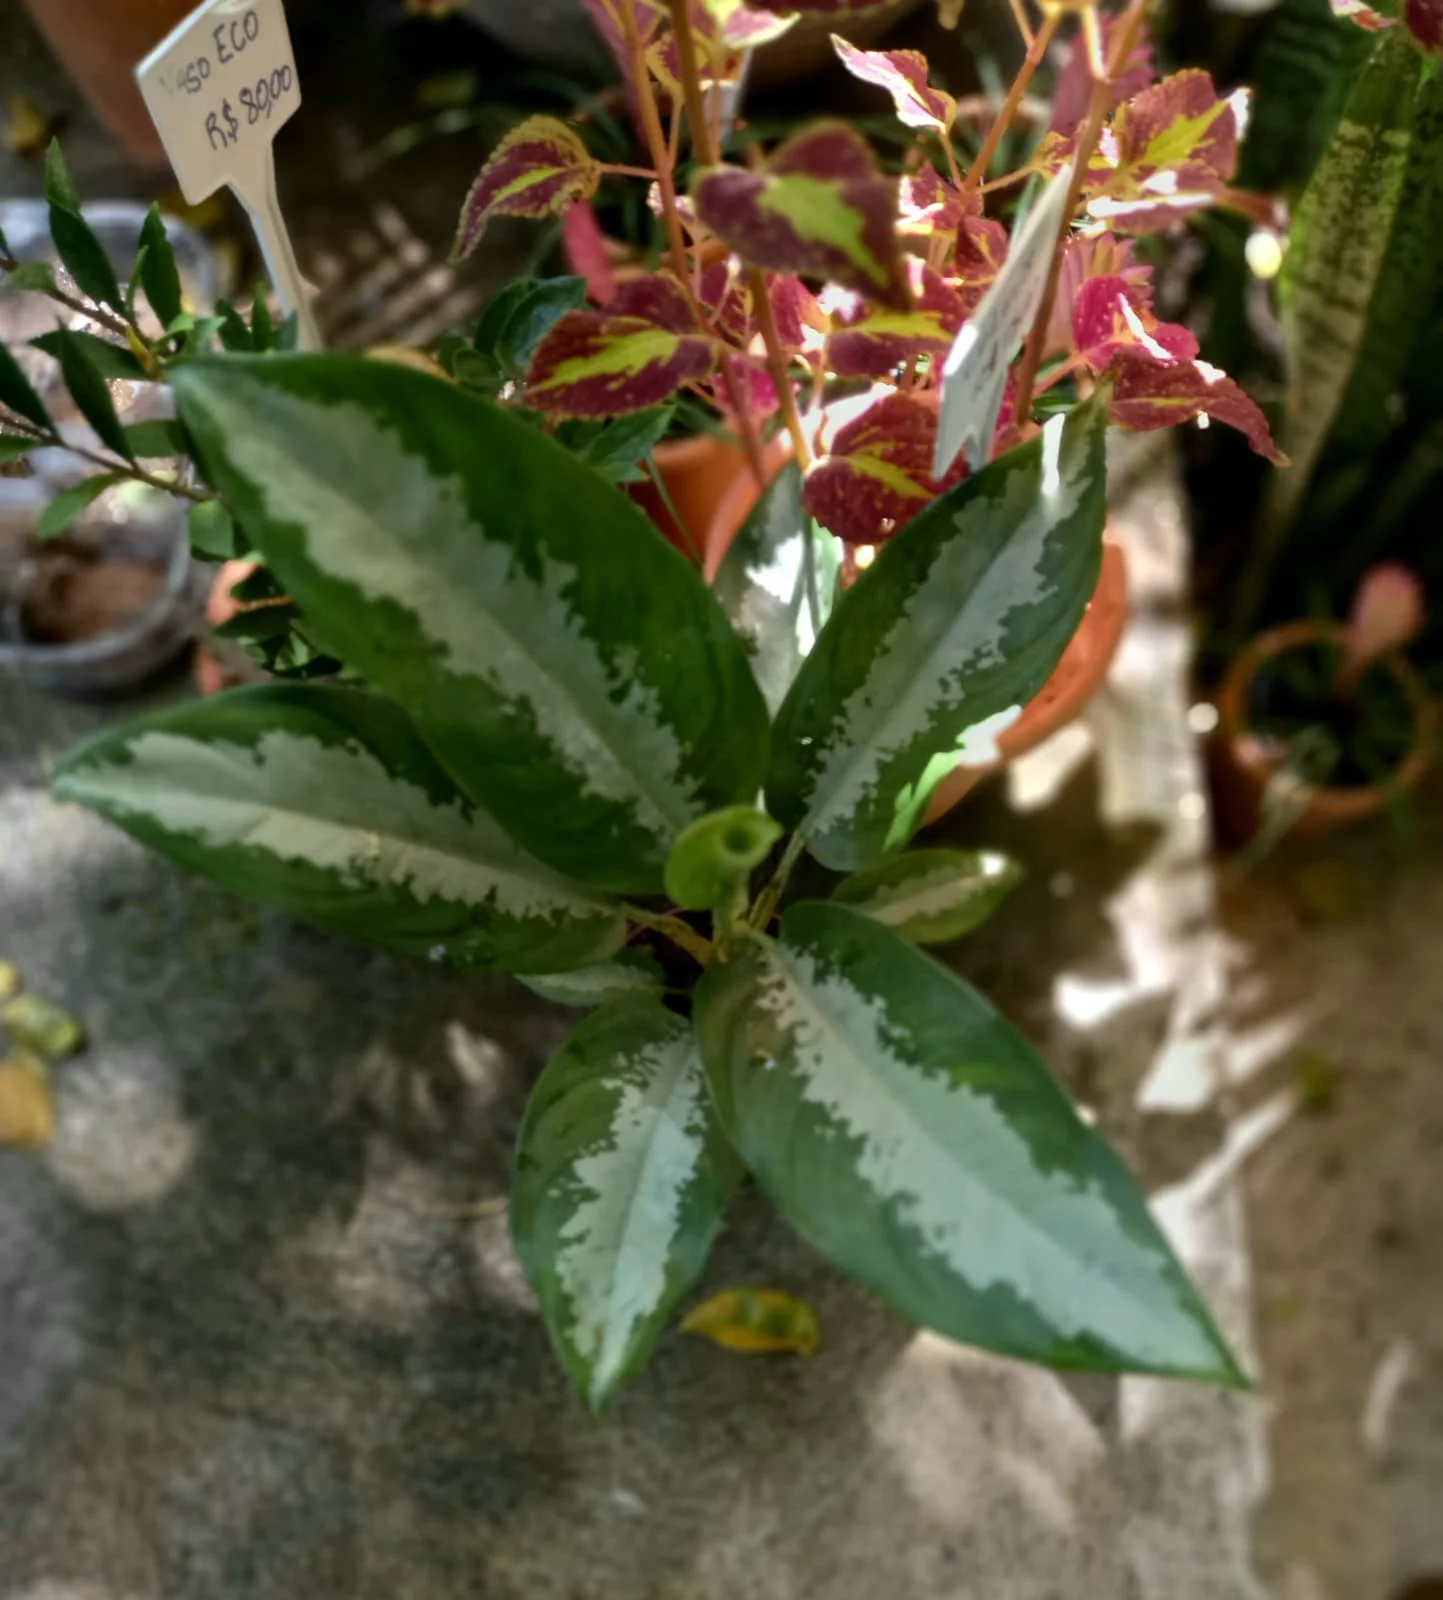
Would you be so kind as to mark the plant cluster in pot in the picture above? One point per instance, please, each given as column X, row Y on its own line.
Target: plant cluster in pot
column 561, row 753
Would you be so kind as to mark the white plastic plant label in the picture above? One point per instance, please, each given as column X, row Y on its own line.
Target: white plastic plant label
column 974, row 376
column 219, row 88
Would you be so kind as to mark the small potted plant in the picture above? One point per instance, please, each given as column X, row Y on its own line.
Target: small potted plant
column 1323, row 723
column 561, row 753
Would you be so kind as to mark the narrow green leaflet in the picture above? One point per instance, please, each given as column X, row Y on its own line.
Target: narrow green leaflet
column 12, row 447
column 938, row 647
column 324, row 802
column 159, row 275
column 448, row 553
column 213, row 533
column 66, row 509
column 1338, row 245
column 777, row 583
column 627, row 974
column 915, row 1139
column 89, row 391
column 714, row 858
column 18, row 393
column 622, row 1175
column 109, row 359
column 75, row 243
column 931, row 896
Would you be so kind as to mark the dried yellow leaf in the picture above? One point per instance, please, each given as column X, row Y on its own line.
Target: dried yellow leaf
column 37, row 1025
column 11, row 983
column 27, row 1113
column 27, row 128
column 757, row 1321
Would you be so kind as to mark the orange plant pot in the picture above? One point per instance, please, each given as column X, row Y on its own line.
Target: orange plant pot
column 711, row 486
column 1241, row 766
column 100, row 42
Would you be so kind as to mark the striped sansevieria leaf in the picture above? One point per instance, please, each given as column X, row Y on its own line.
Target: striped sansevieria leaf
column 931, row 896
column 777, row 583
column 941, row 643
column 622, row 1175
column 914, row 1138
column 569, row 668
column 325, row 802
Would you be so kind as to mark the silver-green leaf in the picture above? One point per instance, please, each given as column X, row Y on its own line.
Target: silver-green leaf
column 627, row 973
column 931, row 896
column 324, row 802
column 777, row 583
column 936, row 648
column 622, row 1175
column 915, row 1139
column 569, row 668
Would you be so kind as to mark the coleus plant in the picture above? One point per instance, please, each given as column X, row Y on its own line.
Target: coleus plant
column 563, row 755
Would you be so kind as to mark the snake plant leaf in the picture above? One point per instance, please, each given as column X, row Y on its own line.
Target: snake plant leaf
column 931, row 896
column 777, row 583
column 629, row 972
column 714, row 858
column 939, row 645
column 1338, row 245
column 914, row 1138
column 568, row 667
column 622, row 1175
column 324, row 802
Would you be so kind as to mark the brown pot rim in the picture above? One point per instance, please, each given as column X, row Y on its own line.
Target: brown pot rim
column 1250, row 752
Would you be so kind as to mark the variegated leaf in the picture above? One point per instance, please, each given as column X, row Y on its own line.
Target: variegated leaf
column 1107, row 317
column 929, row 206
column 821, row 207
column 625, row 975
column 828, row 8
column 903, row 74
column 1148, row 394
column 1074, row 82
column 324, row 802
column 878, row 474
column 914, row 1138
column 537, row 170
column 449, row 553
column 622, row 1175
column 1338, row 244
column 932, row 896
column 634, row 353
column 777, row 583
column 756, row 1322
column 872, row 343
column 1169, row 150
column 939, row 645
column 1362, row 16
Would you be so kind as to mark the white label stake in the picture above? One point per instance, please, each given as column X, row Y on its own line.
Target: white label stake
column 974, row 377
column 219, row 88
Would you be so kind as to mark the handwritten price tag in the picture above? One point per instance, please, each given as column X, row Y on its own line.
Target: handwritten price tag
column 974, row 376
column 219, row 88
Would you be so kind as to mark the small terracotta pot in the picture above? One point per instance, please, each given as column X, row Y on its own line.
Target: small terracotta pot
column 100, row 42
column 1076, row 678
column 1241, row 765
column 711, row 486
column 223, row 664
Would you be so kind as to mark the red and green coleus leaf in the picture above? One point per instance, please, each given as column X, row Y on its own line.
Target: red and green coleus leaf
column 828, row 8
column 1074, row 82
column 537, row 170
column 821, row 207
column 1168, row 151
column 979, row 256
column 745, row 27
column 636, row 352
column 1424, row 20
column 929, row 206
column 1087, row 257
column 1107, row 318
column 903, row 74
column 1363, row 16
column 878, row 475
column 871, row 342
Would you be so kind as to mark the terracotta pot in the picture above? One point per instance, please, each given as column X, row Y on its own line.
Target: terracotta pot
column 99, row 42
column 1241, row 765
column 1063, row 698
column 703, row 475
column 222, row 664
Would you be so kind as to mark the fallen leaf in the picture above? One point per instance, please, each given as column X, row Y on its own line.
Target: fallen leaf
column 36, row 1025
column 757, row 1321
column 28, row 129
column 27, row 1112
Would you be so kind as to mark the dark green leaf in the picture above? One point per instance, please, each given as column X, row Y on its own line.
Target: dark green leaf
column 62, row 512
column 37, row 277
column 532, row 318
column 568, row 667
column 234, row 334
column 60, row 187
column 616, row 449
column 914, row 1138
column 325, row 802
column 288, row 335
column 777, row 583
column 155, row 439
column 939, row 645
column 89, row 391
column 84, row 257
column 13, row 447
column 622, row 1176
column 17, row 392
column 160, row 276
column 931, row 896
column 714, row 857
column 132, row 289
column 213, row 533
column 109, row 359
column 263, row 332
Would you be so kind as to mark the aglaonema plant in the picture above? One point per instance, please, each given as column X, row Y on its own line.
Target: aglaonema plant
column 563, row 754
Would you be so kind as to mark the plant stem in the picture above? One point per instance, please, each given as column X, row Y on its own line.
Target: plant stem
column 778, row 365
column 49, row 439
column 627, row 172
column 679, row 932
column 656, row 143
column 765, row 908
column 703, row 144
column 1019, row 16
column 1124, row 35
column 1003, row 120
column 746, row 423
